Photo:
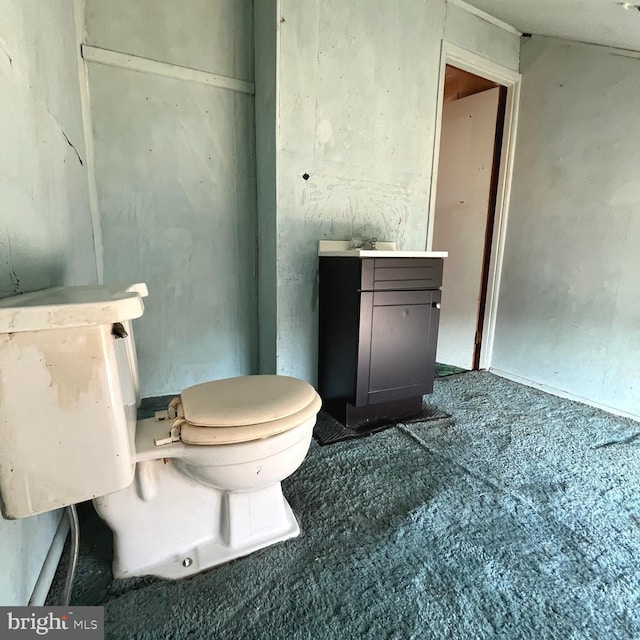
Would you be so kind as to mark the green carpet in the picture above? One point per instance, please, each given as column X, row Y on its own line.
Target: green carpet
column 444, row 370
column 517, row 518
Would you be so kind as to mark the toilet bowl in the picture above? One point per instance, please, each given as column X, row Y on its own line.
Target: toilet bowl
column 208, row 473
column 194, row 486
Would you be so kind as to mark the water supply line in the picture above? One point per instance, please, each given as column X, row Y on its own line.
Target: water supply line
column 50, row 565
column 72, row 514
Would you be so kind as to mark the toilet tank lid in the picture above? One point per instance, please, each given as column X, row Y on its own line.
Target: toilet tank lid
column 75, row 306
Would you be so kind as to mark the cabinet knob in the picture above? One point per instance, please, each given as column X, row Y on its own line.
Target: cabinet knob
column 436, row 305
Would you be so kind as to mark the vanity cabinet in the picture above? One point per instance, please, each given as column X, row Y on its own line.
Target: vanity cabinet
column 378, row 329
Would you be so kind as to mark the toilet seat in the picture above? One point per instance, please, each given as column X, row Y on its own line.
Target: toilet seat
column 244, row 408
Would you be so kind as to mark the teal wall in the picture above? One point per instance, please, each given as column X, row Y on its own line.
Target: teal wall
column 356, row 109
column 45, row 230
column 175, row 175
column 569, row 309
column 345, row 92
column 45, row 227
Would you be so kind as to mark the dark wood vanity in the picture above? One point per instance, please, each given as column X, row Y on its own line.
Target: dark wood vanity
column 378, row 329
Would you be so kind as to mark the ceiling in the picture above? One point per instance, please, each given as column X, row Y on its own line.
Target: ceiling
column 604, row 22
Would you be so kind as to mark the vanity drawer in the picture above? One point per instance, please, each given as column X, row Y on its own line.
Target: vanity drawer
column 404, row 298
column 401, row 273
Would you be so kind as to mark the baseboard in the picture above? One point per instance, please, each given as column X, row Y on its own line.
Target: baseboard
column 50, row 564
column 562, row 394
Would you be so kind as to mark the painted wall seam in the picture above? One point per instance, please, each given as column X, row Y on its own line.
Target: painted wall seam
column 146, row 65
column 85, row 104
column 277, row 174
column 265, row 34
column 487, row 17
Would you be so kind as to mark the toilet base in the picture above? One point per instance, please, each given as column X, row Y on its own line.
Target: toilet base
column 168, row 525
column 212, row 553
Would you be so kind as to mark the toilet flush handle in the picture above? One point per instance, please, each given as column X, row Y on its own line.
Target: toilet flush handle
column 118, row 330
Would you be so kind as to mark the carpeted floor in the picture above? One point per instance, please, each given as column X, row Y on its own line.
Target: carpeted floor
column 517, row 518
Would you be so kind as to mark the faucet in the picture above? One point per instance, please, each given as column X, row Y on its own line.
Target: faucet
column 373, row 243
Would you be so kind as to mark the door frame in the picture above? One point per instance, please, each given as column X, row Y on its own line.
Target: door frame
column 467, row 61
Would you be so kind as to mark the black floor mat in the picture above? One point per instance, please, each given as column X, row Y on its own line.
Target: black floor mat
column 329, row 431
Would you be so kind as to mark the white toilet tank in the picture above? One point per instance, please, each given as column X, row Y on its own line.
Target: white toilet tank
column 68, row 393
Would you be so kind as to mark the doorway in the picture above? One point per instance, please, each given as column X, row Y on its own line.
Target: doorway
column 472, row 162
column 470, row 140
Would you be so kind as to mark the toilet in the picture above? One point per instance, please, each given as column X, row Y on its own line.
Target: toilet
column 208, row 473
column 194, row 486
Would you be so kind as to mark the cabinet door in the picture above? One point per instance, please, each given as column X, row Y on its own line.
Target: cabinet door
column 398, row 343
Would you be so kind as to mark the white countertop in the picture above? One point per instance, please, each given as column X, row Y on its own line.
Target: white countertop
column 344, row 249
